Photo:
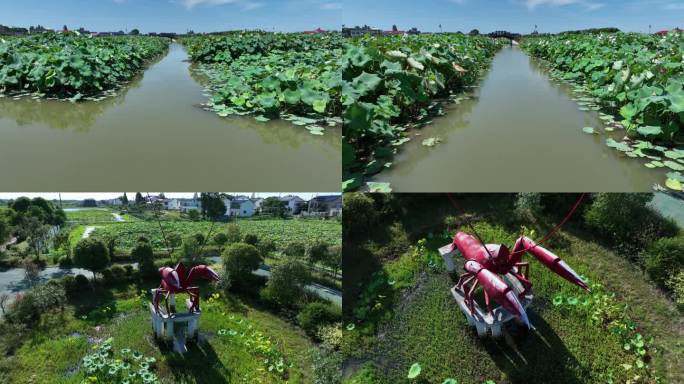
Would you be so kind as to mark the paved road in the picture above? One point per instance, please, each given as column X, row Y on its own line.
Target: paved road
column 118, row 217
column 322, row 291
column 88, row 231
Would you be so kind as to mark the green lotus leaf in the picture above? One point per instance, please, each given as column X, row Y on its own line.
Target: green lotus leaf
column 673, row 165
column 650, row 130
column 414, row 371
column 291, row 96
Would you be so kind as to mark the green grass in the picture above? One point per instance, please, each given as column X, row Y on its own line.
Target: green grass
column 415, row 319
column 53, row 352
column 90, row 216
column 76, row 234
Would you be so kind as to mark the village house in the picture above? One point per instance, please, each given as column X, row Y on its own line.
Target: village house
column 325, row 206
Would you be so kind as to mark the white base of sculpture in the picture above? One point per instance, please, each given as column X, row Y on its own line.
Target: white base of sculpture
column 176, row 328
column 485, row 323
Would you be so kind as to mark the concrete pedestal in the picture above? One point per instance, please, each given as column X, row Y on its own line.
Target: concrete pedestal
column 485, row 323
column 175, row 328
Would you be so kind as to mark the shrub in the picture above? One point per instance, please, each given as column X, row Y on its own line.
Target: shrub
column 330, row 335
column 65, row 262
column 251, row 239
column 359, row 213
column 528, row 205
column 82, row 282
column 327, row 366
column 129, row 270
column 239, row 260
column 233, row 233
column 664, row 257
column 625, row 219
column 143, row 254
column 284, row 286
column 107, row 276
column 676, row 285
column 317, row 252
column 295, row 249
column 220, row 239
column 118, row 273
column 316, row 314
column 91, row 254
column 265, row 247
column 69, row 283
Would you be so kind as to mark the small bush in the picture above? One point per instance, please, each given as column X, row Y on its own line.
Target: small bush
column 129, row 270
column 295, row 249
column 65, row 262
column 664, row 257
column 233, row 233
column 220, row 239
column 118, row 273
column 82, row 282
column 676, row 284
column 251, row 239
column 144, row 255
column 265, row 247
column 285, row 285
column 107, row 276
column 239, row 260
column 69, row 283
column 316, row 314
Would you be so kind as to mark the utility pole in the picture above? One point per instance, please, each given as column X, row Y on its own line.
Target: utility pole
column 440, row 28
column 649, row 29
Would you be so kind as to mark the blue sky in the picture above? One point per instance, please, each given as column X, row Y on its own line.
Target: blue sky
column 515, row 15
column 174, row 15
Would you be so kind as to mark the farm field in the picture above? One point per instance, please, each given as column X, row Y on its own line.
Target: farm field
column 75, row 306
column 157, row 106
column 403, row 314
column 279, row 231
column 539, row 95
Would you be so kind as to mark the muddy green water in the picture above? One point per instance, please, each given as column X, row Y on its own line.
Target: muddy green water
column 519, row 132
column 154, row 136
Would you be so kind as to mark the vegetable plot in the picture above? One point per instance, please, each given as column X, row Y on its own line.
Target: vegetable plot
column 392, row 84
column 72, row 66
column 290, row 76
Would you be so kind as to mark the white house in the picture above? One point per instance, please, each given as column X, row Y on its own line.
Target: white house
column 291, row 203
column 330, row 206
column 172, row 204
column 185, row 205
column 242, row 207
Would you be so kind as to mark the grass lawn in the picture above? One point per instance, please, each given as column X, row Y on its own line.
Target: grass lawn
column 54, row 352
column 414, row 319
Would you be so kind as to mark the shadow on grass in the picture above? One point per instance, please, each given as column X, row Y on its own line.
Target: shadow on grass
column 534, row 356
column 200, row 364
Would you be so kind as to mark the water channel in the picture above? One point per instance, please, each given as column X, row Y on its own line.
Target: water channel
column 518, row 132
column 153, row 135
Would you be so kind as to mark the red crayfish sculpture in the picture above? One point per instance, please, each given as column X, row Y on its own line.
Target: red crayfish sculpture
column 177, row 280
column 484, row 264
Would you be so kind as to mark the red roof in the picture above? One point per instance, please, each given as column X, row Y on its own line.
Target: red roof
column 665, row 32
column 317, row 30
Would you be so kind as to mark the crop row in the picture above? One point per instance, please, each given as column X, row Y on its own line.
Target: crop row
column 291, row 76
column 640, row 77
column 280, row 232
column 391, row 84
column 73, row 66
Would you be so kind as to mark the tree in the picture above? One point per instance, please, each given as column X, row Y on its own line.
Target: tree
column 124, row 199
column 190, row 249
column 273, row 206
column 139, row 199
column 35, row 232
column 31, row 272
column 251, row 239
column 474, row 32
column 239, row 261
column 334, row 259
column 89, row 203
column 144, row 255
column 135, row 32
column 213, row 206
column 5, row 230
column 92, row 255
column 285, row 285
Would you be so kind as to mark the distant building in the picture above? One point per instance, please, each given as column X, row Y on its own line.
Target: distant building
column 292, row 203
column 242, row 207
column 361, row 31
column 665, row 32
column 325, row 206
column 15, row 31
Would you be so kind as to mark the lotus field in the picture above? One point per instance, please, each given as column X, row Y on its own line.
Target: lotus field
column 393, row 84
column 636, row 81
column 73, row 66
column 280, row 232
column 290, row 76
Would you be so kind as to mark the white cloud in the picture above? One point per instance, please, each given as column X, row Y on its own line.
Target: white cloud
column 189, row 4
column 459, row 2
column 331, row 6
column 674, row 7
column 248, row 6
column 588, row 5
